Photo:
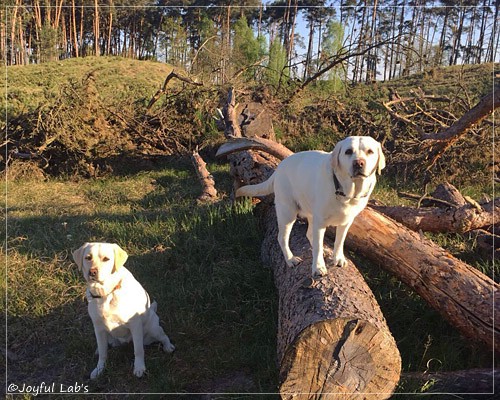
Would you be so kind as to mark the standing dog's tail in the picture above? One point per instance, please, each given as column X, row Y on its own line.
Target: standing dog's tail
column 261, row 189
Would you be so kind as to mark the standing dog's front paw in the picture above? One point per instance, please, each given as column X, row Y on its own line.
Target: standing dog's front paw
column 319, row 269
column 340, row 261
column 292, row 262
column 97, row 371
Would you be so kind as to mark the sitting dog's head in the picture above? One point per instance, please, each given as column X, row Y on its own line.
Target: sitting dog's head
column 98, row 261
column 358, row 156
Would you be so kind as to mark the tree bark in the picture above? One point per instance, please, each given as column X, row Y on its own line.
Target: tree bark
column 458, row 220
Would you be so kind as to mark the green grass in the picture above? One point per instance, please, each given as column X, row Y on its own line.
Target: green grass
column 201, row 263
column 117, row 80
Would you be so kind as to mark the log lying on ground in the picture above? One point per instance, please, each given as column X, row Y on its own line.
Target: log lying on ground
column 458, row 220
column 467, row 299
column 332, row 336
column 488, row 243
column 477, row 381
column 454, row 212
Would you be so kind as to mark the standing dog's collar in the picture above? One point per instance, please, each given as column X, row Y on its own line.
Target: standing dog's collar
column 339, row 190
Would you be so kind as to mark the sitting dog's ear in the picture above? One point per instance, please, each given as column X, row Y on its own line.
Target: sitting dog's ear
column 78, row 256
column 381, row 160
column 336, row 156
column 120, row 258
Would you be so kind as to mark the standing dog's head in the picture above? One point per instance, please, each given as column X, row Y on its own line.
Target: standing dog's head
column 358, row 156
column 98, row 261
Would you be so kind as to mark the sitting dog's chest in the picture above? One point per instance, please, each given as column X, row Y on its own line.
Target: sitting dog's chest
column 111, row 316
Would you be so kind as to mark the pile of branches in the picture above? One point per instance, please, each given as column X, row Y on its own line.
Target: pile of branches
column 423, row 127
column 80, row 134
column 408, row 126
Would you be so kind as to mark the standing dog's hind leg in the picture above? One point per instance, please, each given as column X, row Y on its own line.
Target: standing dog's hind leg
column 286, row 218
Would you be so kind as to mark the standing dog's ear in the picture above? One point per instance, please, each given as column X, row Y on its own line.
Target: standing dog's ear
column 78, row 256
column 120, row 257
column 336, row 156
column 381, row 159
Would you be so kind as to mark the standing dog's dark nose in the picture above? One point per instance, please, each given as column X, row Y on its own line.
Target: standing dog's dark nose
column 359, row 163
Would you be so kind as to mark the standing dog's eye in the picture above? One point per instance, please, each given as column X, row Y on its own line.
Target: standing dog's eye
column 369, row 151
column 348, row 152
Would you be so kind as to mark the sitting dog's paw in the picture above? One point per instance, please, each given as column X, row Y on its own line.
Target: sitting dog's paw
column 97, row 289
column 97, row 371
column 168, row 347
column 139, row 370
column 292, row 262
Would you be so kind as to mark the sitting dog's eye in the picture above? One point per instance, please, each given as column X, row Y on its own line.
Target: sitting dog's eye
column 88, row 257
column 369, row 151
column 348, row 152
column 105, row 259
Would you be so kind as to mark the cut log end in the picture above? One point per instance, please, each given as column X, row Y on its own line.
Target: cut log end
column 343, row 358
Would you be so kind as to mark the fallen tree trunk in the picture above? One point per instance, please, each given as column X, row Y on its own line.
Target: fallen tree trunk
column 458, row 220
column 467, row 299
column 488, row 243
column 477, row 381
column 332, row 336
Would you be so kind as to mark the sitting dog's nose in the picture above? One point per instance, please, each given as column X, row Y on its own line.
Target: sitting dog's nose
column 93, row 272
column 359, row 163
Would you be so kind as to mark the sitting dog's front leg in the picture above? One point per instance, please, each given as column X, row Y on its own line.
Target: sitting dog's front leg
column 102, row 349
column 138, row 338
column 338, row 248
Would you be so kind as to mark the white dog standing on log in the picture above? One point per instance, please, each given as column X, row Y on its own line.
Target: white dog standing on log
column 329, row 189
column 119, row 306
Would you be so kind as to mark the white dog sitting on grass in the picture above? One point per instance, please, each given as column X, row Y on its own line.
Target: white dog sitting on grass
column 118, row 305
